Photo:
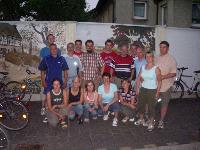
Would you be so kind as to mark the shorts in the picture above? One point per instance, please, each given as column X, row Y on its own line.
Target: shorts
column 165, row 96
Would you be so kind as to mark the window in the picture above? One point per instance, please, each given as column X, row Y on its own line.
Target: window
column 140, row 10
column 196, row 13
column 164, row 14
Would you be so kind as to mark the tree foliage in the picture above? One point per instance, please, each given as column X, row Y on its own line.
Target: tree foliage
column 49, row 10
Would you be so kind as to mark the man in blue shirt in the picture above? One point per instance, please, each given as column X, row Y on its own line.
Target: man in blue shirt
column 51, row 68
column 46, row 50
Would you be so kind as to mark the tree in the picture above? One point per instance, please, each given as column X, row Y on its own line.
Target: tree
column 40, row 10
column 12, row 10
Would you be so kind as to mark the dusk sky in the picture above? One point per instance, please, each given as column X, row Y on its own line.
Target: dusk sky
column 92, row 3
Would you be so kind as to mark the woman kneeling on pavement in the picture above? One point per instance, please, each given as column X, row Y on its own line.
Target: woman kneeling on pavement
column 150, row 80
column 127, row 100
column 75, row 100
column 108, row 98
column 57, row 105
column 90, row 101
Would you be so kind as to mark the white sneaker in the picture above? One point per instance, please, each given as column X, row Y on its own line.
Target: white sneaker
column 105, row 117
column 86, row 120
column 43, row 111
column 132, row 119
column 114, row 123
column 140, row 122
column 161, row 124
column 150, row 127
column 94, row 118
column 125, row 119
column 45, row 120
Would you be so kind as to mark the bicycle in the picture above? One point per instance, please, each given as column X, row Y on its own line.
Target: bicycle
column 178, row 86
column 29, row 87
column 12, row 89
column 4, row 139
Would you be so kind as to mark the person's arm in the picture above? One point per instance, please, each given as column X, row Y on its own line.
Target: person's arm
column 138, row 82
column 115, row 99
column 173, row 69
column 100, row 101
column 159, row 81
column 50, row 107
column 65, row 101
column 96, row 100
column 43, row 75
column 132, row 74
column 65, row 78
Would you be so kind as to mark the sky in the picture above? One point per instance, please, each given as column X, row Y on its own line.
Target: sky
column 91, row 3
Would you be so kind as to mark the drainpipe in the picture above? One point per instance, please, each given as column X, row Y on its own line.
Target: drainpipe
column 114, row 13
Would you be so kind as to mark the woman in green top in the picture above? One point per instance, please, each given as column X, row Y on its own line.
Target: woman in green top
column 57, row 105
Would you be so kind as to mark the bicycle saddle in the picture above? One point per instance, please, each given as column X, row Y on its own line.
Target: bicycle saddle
column 29, row 72
column 4, row 73
column 198, row 71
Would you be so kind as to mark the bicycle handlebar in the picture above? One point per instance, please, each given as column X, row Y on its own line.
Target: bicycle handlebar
column 29, row 72
column 182, row 68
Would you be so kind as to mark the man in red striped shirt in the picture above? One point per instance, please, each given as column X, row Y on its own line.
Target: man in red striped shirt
column 123, row 65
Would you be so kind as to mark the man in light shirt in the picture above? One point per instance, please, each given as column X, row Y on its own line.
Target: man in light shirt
column 168, row 67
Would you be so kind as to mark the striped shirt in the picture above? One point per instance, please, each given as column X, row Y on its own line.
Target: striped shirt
column 123, row 66
column 91, row 63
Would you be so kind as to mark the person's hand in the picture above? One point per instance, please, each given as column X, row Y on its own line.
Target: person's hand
column 54, row 107
column 61, row 117
column 157, row 96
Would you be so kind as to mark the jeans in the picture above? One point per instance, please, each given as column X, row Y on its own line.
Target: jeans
column 115, row 107
column 87, row 112
column 76, row 109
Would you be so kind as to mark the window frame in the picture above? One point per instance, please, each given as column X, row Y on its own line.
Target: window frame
column 145, row 10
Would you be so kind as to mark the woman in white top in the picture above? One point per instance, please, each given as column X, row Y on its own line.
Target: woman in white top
column 148, row 89
column 90, row 101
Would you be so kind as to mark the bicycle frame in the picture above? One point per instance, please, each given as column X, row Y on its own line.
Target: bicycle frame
column 191, row 89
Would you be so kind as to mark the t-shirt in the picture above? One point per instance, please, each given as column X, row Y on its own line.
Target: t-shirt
column 138, row 64
column 107, row 97
column 56, row 98
column 167, row 64
column 126, row 96
column 53, row 67
column 78, row 53
column 74, row 65
column 108, row 58
column 46, row 51
column 123, row 66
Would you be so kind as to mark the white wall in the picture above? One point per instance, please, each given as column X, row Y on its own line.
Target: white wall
column 185, row 47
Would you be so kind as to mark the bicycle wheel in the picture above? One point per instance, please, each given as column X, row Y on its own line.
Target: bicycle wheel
column 13, row 90
column 13, row 114
column 197, row 90
column 26, row 95
column 2, row 90
column 177, row 91
column 4, row 139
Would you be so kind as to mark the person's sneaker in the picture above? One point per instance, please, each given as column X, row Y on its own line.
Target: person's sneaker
column 139, row 122
column 150, row 127
column 43, row 111
column 105, row 117
column 161, row 124
column 45, row 120
column 125, row 119
column 132, row 119
column 94, row 118
column 114, row 123
column 86, row 120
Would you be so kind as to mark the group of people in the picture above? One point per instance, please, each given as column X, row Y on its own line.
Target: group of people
column 83, row 85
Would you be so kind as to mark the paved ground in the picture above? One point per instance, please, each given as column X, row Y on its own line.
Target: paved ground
column 183, row 122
